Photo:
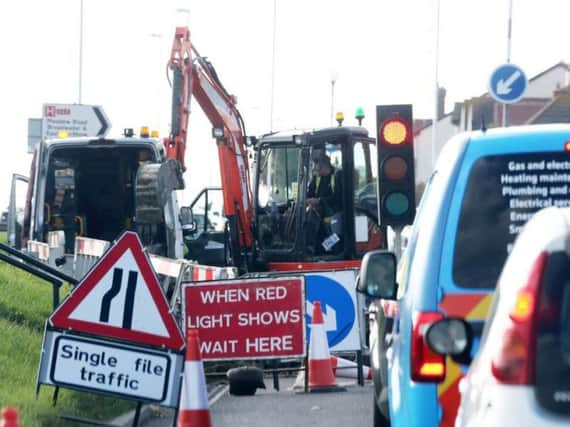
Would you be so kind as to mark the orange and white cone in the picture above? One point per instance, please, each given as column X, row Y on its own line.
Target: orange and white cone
column 320, row 367
column 9, row 417
column 194, row 410
column 349, row 369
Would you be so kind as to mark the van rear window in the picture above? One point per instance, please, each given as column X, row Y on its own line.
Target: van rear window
column 501, row 194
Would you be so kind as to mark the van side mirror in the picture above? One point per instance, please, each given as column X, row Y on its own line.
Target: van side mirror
column 187, row 220
column 378, row 275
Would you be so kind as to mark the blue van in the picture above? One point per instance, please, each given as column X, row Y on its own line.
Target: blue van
column 484, row 188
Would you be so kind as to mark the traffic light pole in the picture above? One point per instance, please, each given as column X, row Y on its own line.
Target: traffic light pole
column 397, row 249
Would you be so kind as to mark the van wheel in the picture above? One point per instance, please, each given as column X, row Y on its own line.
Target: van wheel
column 379, row 419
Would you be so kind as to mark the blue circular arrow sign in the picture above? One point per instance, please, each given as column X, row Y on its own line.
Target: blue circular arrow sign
column 507, row 84
column 337, row 304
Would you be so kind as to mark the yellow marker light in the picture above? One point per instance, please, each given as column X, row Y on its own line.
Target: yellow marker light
column 394, row 132
column 144, row 132
column 154, row 134
column 524, row 306
column 339, row 116
column 567, row 146
column 62, row 134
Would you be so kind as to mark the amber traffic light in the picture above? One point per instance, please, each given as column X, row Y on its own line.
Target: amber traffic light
column 395, row 137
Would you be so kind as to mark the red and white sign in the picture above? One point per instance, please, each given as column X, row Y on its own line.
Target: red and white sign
column 76, row 119
column 247, row 319
column 121, row 298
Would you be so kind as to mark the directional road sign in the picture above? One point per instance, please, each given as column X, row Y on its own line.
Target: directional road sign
column 121, row 298
column 336, row 293
column 507, row 84
column 75, row 119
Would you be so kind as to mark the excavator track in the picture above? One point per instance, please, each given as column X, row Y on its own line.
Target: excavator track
column 154, row 185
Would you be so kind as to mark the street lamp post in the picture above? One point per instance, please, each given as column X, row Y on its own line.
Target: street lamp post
column 505, row 106
column 80, row 50
column 334, row 78
column 273, row 65
column 435, row 113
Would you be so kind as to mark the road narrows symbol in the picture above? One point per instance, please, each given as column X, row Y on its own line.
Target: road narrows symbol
column 114, row 291
column 110, row 295
column 130, row 300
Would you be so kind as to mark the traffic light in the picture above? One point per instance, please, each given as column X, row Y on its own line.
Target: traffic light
column 394, row 127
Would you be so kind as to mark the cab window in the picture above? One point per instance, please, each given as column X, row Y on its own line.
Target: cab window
column 277, row 192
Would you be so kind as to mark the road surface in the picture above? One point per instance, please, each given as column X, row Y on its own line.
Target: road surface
column 284, row 408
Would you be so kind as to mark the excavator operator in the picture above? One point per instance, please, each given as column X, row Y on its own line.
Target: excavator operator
column 324, row 205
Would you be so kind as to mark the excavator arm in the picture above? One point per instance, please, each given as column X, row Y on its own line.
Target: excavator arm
column 194, row 76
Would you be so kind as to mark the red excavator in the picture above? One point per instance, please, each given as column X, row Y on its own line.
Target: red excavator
column 271, row 230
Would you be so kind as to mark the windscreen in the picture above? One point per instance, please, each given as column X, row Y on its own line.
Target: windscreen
column 553, row 336
column 278, row 175
column 501, row 194
column 278, row 187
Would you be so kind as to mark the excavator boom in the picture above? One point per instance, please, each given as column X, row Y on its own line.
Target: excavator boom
column 194, row 76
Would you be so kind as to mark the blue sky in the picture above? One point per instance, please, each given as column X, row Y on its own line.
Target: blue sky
column 382, row 52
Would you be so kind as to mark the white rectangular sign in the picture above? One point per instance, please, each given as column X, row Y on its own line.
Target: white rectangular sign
column 111, row 368
column 75, row 119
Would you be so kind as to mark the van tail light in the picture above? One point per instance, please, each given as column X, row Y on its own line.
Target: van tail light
column 513, row 361
column 427, row 366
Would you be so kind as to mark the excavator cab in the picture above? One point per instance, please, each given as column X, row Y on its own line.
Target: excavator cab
column 343, row 224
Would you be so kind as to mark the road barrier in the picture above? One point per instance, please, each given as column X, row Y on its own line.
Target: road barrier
column 38, row 249
column 56, row 244
column 201, row 273
column 87, row 252
column 348, row 369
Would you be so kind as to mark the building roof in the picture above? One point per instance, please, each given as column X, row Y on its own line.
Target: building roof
column 556, row 111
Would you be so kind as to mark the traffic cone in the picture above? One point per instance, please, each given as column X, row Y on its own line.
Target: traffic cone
column 10, row 417
column 349, row 369
column 321, row 376
column 194, row 410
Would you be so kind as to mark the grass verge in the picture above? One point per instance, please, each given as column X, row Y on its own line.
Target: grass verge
column 25, row 304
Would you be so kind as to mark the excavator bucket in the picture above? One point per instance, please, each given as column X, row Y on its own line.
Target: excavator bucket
column 154, row 185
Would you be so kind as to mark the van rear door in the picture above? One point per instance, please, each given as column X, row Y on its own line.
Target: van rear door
column 503, row 181
column 15, row 222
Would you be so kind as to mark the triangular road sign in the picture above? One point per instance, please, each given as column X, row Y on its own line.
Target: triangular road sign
column 121, row 298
